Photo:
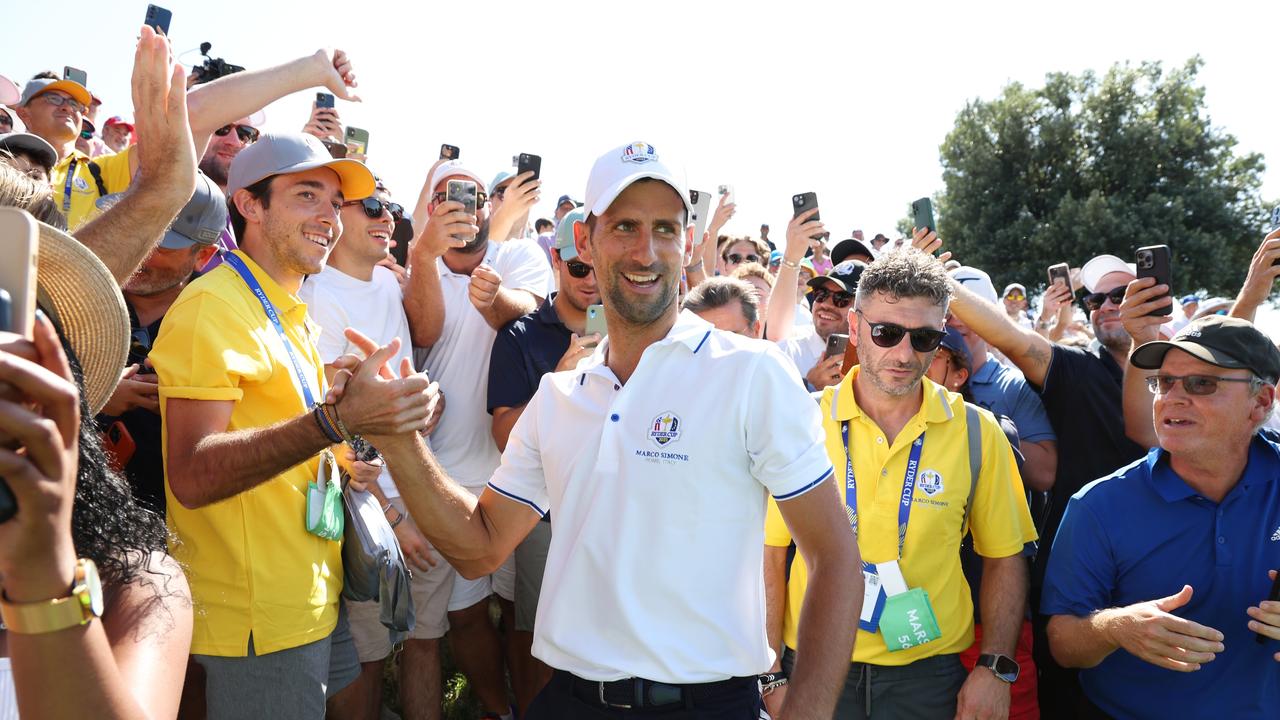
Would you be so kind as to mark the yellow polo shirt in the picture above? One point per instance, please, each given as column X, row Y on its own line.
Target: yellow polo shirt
column 78, row 198
column 1000, row 520
column 252, row 565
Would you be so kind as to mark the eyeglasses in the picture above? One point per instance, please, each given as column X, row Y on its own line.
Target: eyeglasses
column 500, row 193
column 1094, row 301
column 440, row 197
column 578, row 269
column 1015, row 296
column 737, row 259
column 1195, row 384
column 839, row 298
column 247, row 135
column 373, row 208
column 887, row 335
column 58, row 100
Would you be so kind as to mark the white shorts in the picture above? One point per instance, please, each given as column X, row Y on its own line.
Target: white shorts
column 469, row 592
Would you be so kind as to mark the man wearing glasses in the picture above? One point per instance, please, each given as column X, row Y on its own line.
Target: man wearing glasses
column 1167, row 564
column 551, row 339
column 1082, row 395
column 904, row 445
column 469, row 288
column 832, row 294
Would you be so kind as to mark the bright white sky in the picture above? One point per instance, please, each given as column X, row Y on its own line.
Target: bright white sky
column 850, row 100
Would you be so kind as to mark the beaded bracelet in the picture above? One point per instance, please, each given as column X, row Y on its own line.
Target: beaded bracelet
column 329, row 431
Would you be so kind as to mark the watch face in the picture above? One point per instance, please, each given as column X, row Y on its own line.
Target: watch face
column 1003, row 666
column 94, row 585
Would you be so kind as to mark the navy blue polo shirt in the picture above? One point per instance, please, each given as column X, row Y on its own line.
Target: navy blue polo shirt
column 524, row 350
column 1143, row 533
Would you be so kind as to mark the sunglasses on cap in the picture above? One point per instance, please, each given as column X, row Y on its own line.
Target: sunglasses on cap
column 887, row 335
column 1195, row 384
column 373, row 208
column 1094, row 301
column 737, row 259
column 247, row 135
column 839, row 298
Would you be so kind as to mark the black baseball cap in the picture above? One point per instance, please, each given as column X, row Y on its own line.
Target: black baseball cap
column 1220, row 340
column 845, row 274
column 852, row 246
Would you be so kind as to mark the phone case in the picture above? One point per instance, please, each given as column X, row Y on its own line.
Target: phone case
column 922, row 214
column 158, row 18
column 324, row 100
column 449, row 152
column 527, row 163
column 1061, row 270
column 463, row 191
column 1153, row 261
column 595, row 321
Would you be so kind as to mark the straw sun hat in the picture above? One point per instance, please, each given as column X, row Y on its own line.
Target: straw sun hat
column 82, row 299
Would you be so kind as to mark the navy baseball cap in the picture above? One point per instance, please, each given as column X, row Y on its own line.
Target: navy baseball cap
column 954, row 342
column 846, row 275
column 1220, row 340
column 201, row 221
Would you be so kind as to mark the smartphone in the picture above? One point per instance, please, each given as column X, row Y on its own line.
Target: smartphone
column 120, row 446
column 1275, row 225
column 1061, row 274
column 324, row 100
column 450, row 152
column 529, row 163
column 462, row 191
column 1273, row 596
column 701, row 213
column 1153, row 262
column 357, row 141
column 595, row 321
column 337, row 151
column 158, row 18
column 837, row 343
column 402, row 234
column 75, row 75
column 805, row 202
column 19, row 245
column 727, row 192
column 922, row 214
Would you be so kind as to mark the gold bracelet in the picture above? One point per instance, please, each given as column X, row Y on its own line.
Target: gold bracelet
column 790, row 263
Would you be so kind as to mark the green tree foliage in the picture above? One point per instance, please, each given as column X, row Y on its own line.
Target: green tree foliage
column 1088, row 165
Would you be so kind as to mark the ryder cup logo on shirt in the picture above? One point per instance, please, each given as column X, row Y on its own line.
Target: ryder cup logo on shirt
column 638, row 152
column 665, row 429
column 931, row 482
column 81, row 184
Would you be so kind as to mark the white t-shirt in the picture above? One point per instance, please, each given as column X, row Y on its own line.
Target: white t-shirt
column 337, row 301
column 804, row 350
column 459, row 361
column 657, row 496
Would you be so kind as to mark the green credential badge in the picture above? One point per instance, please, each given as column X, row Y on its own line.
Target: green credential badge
column 908, row 620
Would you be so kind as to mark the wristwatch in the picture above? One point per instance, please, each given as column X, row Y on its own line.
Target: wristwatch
column 1003, row 666
column 46, row 616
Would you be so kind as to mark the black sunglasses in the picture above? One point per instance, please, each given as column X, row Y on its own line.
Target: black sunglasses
column 247, row 135
column 737, row 259
column 1094, row 301
column 839, row 298
column 887, row 335
column 1195, row 384
column 578, row 269
column 373, row 207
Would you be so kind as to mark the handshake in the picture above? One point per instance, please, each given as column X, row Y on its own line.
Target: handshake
column 374, row 401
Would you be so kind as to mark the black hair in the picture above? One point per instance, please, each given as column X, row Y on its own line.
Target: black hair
column 543, row 223
column 260, row 191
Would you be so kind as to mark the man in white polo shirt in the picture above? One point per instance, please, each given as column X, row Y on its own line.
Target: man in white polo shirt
column 656, row 466
column 481, row 287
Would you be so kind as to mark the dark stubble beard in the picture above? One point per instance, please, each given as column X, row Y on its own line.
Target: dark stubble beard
column 639, row 312
column 215, row 168
column 478, row 243
column 871, row 369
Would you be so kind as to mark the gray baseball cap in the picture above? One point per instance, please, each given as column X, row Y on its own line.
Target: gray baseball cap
column 288, row 153
column 34, row 145
column 203, row 219
column 36, row 86
column 564, row 233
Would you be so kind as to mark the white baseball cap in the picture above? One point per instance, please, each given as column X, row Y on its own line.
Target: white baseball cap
column 454, row 167
column 977, row 282
column 617, row 169
column 1094, row 270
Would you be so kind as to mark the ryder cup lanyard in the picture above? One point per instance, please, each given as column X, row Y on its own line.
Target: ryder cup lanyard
column 238, row 265
column 908, row 485
column 66, row 188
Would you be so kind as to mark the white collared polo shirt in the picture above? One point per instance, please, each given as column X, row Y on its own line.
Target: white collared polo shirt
column 658, row 493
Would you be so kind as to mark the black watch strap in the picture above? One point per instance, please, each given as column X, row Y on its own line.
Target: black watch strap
column 1003, row 666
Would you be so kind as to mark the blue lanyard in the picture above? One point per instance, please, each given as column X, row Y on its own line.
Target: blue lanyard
column 908, row 485
column 66, row 188
column 238, row 265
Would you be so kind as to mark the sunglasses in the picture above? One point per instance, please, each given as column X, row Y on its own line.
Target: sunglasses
column 440, row 197
column 6, row 120
column 839, row 298
column 1015, row 296
column 1094, row 301
column 737, row 259
column 578, row 269
column 58, row 100
column 887, row 335
column 1195, row 384
column 373, row 208
column 247, row 135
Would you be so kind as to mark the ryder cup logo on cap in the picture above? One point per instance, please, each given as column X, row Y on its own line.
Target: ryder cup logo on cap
column 616, row 170
column 665, row 429
column 638, row 152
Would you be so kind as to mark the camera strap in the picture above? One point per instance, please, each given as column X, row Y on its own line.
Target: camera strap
column 238, row 265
